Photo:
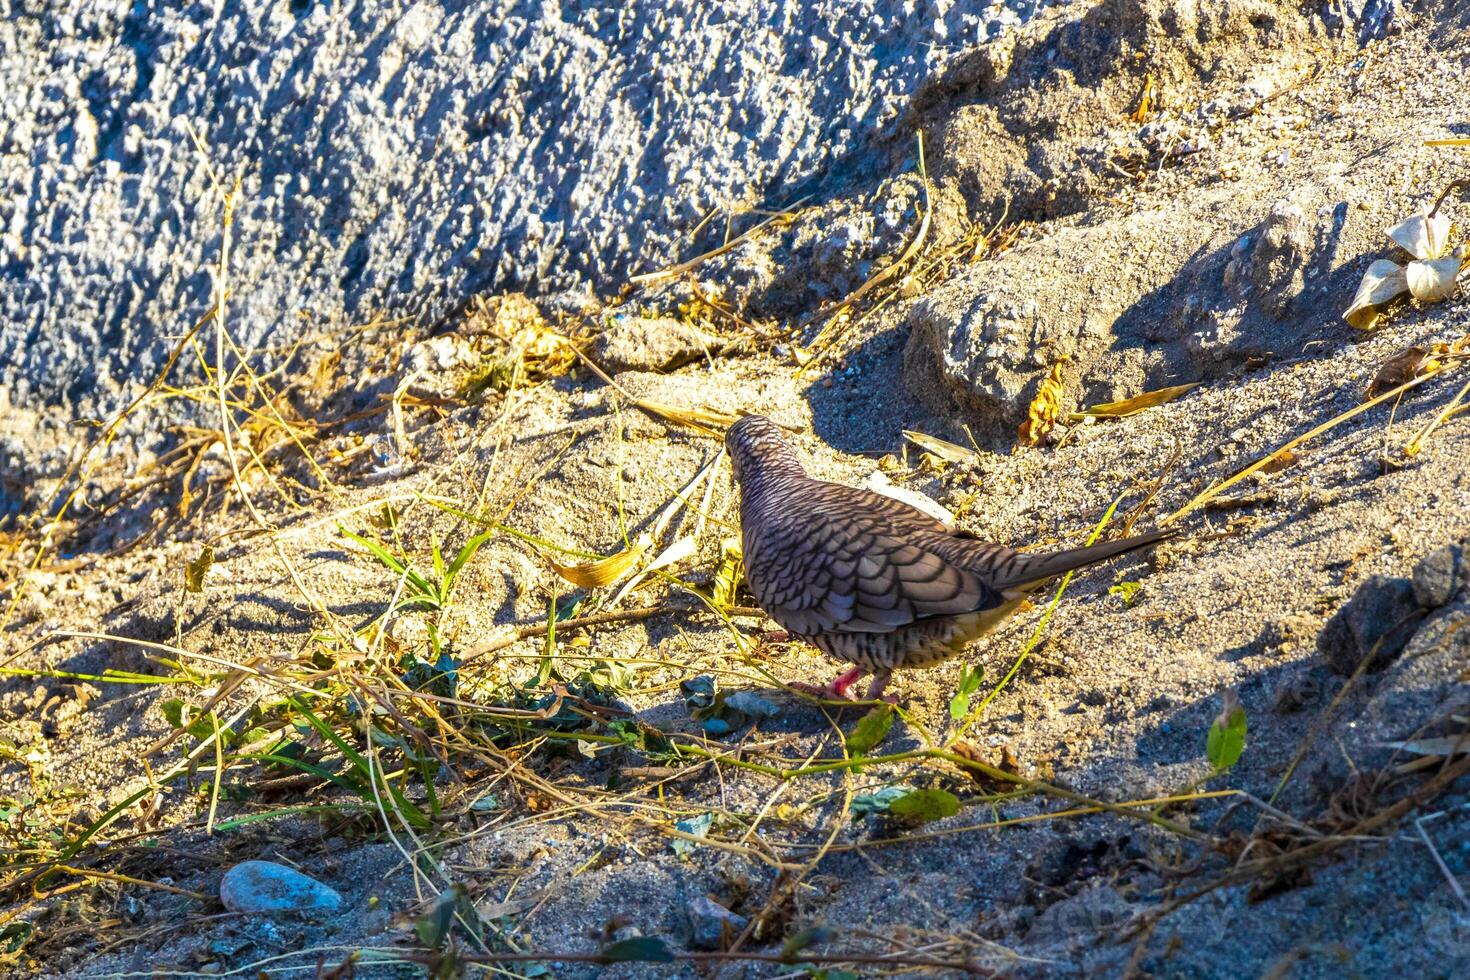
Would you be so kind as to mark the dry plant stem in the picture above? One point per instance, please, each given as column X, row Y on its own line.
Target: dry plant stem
column 130, row 880
column 1215, row 490
column 957, row 760
column 825, row 339
column 1327, row 713
column 1444, row 870
column 595, row 619
column 1036, row 635
column 81, row 472
column 1441, row 781
column 674, row 271
column 694, row 419
column 1450, row 188
column 681, row 956
column 1417, row 443
column 1081, row 811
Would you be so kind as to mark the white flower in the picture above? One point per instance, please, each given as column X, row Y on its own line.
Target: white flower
column 1429, row 278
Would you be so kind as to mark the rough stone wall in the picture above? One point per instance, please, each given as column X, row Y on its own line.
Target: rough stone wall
column 398, row 157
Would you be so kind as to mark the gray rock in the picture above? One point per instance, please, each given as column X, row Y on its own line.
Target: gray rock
column 399, row 156
column 635, row 343
column 1439, row 575
column 1084, row 915
column 711, row 925
column 266, row 887
column 1270, row 263
column 1381, row 616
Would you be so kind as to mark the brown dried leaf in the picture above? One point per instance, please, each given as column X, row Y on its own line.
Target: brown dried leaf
column 1045, row 408
column 1003, row 759
column 1400, row 369
column 195, row 570
column 1280, row 461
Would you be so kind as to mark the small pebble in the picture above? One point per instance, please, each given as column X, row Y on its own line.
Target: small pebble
column 264, row 886
column 712, row 926
column 1439, row 575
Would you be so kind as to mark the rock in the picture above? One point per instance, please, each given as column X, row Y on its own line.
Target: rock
column 985, row 338
column 711, row 925
column 264, row 887
column 1269, row 263
column 1085, row 914
column 1439, row 575
column 567, row 169
column 635, row 343
column 1382, row 615
column 1296, row 693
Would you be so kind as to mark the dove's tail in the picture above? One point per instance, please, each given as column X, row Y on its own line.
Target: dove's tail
column 1026, row 573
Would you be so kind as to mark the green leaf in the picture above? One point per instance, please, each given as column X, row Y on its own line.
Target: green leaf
column 870, row 730
column 924, row 805
column 433, row 926
column 194, row 570
column 970, row 678
column 1226, row 741
column 173, row 712
column 438, row 555
column 803, row 938
column 466, row 553
column 424, row 591
column 377, row 550
column 1127, row 591
column 693, row 826
column 639, row 949
column 877, row 801
column 548, row 654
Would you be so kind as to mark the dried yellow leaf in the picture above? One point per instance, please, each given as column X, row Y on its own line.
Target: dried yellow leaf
column 604, row 571
column 195, row 570
column 948, row 451
column 1134, row 405
column 1042, row 413
column 727, row 574
column 1146, row 98
column 1384, row 282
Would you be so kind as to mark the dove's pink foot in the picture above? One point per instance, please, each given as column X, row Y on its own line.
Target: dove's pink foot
column 838, row 690
column 877, row 685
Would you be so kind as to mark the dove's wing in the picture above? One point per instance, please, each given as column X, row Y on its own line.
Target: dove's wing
column 852, row 561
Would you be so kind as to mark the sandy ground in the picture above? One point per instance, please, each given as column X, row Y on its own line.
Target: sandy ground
column 1356, row 866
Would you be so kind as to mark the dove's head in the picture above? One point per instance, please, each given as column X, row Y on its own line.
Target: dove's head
column 758, row 451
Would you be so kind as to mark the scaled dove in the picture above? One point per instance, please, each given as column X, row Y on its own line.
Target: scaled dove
column 872, row 580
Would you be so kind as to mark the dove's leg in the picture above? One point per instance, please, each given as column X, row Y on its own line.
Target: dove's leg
column 877, row 684
column 838, row 690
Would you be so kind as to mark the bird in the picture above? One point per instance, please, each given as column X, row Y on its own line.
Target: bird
column 871, row 580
